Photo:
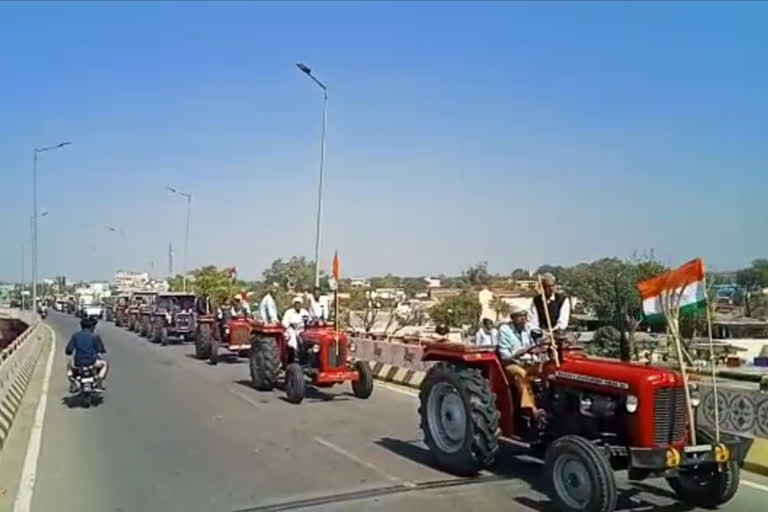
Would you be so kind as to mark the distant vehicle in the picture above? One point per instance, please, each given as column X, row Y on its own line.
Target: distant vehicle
column 140, row 304
column 173, row 316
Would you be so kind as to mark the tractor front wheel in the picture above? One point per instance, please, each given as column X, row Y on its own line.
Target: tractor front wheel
column 363, row 386
column 264, row 362
column 213, row 357
column 203, row 342
column 163, row 335
column 294, row 383
column 459, row 418
column 707, row 487
column 580, row 476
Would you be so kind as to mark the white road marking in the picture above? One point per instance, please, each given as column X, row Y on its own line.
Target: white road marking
column 755, row 485
column 355, row 458
column 23, row 501
column 245, row 397
column 396, row 389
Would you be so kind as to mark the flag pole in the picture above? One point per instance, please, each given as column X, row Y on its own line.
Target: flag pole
column 549, row 323
column 712, row 361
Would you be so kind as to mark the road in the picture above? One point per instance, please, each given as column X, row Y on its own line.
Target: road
column 175, row 434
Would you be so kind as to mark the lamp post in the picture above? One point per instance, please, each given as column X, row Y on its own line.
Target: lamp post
column 117, row 231
column 186, row 232
column 305, row 69
column 35, row 152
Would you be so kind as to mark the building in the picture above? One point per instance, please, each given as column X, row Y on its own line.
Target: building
column 125, row 280
column 359, row 282
column 432, row 282
column 396, row 294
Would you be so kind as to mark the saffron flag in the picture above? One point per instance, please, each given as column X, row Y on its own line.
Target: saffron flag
column 336, row 265
column 686, row 281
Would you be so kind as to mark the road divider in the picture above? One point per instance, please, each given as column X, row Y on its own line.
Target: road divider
column 17, row 364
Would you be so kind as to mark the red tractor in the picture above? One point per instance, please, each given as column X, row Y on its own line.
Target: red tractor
column 595, row 416
column 209, row 338
column 322, row 360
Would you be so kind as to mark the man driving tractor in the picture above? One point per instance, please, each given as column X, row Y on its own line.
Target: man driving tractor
column 514, row 337
column 293, row 321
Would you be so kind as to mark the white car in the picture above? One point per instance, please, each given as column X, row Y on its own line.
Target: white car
column 92, row 311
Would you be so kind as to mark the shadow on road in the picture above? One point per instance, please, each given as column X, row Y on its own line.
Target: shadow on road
column 311, row 393
column 75, row 402
column 512, row 463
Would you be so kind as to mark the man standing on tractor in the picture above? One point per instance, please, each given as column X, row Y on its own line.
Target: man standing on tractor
column 224, row 315
column 515, row 336
column 318, row 306
column 203, row 305
column 559, row 307
column 268, row 308
column 293, row 321
column 241, row 308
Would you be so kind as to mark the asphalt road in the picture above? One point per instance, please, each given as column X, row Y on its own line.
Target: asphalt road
column 175, row 434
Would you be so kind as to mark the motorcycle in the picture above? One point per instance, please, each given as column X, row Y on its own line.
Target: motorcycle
column 85, row 385
column 44, row 314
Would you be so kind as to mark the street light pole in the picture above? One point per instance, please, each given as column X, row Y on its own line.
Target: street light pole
column 308, row 72
column 186, row 232
column 35, row 151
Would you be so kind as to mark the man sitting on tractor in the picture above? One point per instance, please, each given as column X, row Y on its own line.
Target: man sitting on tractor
column 559, row 307
column 514, row 337
column 318, row 307
column 224, row 315
column 487, row 334
column 241, row 309
column 293, row 321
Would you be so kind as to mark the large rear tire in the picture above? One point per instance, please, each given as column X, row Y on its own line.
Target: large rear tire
column 294, row 383
column 203, row 342
column 264, row 362
column 459, row 418
column 213, row 357
column 707, row 488
column 163, row 335
column 580, row 476
column 363, row 386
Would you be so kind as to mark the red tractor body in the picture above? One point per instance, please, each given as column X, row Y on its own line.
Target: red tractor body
column 209, row 338
column 595, row 415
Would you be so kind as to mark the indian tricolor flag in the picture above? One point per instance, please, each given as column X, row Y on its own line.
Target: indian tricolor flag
column 686, row 282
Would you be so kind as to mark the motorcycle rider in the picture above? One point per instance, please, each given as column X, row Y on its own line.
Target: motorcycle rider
column 87, row 347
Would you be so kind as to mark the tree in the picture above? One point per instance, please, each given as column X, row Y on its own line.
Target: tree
column 477, row 275
column 388, row 281
column 520, row 274
column 456, row 311
column 176, row 283
column 297, row 273
column 399, row 320
column 414, row 285
column 209, row 280
column 364, row 308
column 755, row 276
column 605, row 343
column 501, row 308
column 555, row 270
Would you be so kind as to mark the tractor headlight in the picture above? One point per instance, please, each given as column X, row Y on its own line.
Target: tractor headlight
column 695, row 395
column 315, row 348
column 351, row 346
column 631, row 404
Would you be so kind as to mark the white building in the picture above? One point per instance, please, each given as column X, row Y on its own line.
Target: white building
column 126, row 280
column 360, row 282
column 432, row 282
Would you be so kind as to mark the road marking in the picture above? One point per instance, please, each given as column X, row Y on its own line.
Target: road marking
column 396, row 389
column 755, row 485
column 355, row 458
column 23, row 501
column 245, row 397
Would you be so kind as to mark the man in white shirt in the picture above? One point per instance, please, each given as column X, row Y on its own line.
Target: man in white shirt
column 318, row 306
column 558, row 305
column 268, row 308
column 293, row 321
column 487, row 334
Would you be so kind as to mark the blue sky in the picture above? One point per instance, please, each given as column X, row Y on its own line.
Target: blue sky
column 509, row 132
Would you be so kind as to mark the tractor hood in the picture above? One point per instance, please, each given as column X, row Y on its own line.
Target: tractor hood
column 618, row 376
column 323, row 335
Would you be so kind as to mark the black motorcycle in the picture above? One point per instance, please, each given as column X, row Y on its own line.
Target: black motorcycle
column 86, row 389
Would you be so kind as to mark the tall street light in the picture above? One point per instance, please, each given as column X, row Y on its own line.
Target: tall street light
column 35, row 152
column 305, row 69
column 117, row 231
column 186, row 233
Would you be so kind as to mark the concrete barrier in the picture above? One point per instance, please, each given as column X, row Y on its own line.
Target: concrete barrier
column 17, row 363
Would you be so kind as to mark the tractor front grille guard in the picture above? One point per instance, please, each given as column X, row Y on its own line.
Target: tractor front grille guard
column 669, row 415
column 333, row 359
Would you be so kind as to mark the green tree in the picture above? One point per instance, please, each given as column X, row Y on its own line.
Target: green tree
column 388, row 281
column 176, row 283
column 297, row 273
column 364, row 309
column 555, row 270
column 456, row 311
column 520, row 274
column 755, row 276
column 414, row 285
column 209, row 280
column 477, row 275
column 501, row 308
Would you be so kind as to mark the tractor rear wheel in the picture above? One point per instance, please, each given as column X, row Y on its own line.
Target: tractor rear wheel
column 363, row 386
column 707, row 487
column 203, row 342
column 264, row 362
column 294, row 383
column 459, row 418
column 213, row 357
column 580, row 476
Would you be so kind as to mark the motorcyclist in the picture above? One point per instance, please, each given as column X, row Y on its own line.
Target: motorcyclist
column 87, row 348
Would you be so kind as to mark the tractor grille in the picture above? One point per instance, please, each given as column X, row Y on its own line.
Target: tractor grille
column 182, row 321
column 669, row 418
column 240, row 336
column 335, row 360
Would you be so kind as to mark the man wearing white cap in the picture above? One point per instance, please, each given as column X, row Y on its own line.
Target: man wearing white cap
column 293, row 321
column 515, row 336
